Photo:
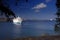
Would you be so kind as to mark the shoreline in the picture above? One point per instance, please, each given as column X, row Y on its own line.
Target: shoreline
column 54, row 37
column 5, row 20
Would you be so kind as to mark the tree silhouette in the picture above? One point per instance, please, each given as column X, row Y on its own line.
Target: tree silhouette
column 6, row 11
column 4, row 8
column 57, row 25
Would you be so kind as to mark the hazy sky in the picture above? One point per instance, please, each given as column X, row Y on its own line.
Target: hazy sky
column 35, row 9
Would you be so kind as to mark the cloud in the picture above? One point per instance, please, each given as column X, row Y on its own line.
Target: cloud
column 48, row 1
column 39, row 6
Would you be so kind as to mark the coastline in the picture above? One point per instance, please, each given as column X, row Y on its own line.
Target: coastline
column 54, row 37
column 5, row 20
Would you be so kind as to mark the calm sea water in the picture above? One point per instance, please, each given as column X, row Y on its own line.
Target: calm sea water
column 26, row 29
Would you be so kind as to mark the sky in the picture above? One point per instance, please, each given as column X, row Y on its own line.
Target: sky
column 35, row 9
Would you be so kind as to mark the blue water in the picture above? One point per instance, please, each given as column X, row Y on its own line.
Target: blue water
column 26, row 29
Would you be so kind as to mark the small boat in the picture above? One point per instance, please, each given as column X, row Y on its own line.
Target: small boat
column 17, row 20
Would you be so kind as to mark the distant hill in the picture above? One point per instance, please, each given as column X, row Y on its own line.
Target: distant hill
column 5, row 20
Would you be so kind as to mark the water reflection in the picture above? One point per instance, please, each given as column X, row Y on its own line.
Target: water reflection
column 17, row 31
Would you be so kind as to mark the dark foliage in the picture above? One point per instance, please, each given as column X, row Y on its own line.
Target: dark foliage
column 6, row 10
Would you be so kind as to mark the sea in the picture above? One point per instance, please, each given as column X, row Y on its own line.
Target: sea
column 28, row 28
